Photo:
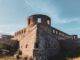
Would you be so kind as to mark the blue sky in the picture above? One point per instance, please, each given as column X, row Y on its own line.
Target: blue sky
column 65, row 14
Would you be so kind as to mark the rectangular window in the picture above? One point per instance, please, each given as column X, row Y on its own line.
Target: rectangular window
column 39, row 20
column 53, row 31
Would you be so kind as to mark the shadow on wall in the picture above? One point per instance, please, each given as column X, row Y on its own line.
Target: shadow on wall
column 59, row 56
column 70, row 48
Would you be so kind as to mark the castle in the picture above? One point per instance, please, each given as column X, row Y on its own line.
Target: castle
column 39, row 40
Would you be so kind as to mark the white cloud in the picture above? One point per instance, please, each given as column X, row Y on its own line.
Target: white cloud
column 46, row 8
column 58, row 20
column 37, row 6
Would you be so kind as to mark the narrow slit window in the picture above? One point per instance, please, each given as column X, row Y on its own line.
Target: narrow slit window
column 36, row 45
column 26, row 45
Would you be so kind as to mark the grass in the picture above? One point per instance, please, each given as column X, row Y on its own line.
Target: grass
column 7, row 58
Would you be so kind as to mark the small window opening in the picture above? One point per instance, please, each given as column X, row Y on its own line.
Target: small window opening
column 28, row 21
column 39, row 20
column 26, row 45
column 36, row 45
column 74, row 37
column 20, row 52
column 31, row 58
column 48, row 22
column 26, row 58
column 56, row 32
column 53, row 31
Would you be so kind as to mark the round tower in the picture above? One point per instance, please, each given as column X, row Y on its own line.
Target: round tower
column 39, row 18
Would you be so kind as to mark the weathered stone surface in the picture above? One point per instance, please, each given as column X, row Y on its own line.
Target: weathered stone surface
column 40, row 41
column 48, row 44
column 27, row 44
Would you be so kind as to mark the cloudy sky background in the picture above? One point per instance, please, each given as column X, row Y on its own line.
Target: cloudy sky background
column 65, row 14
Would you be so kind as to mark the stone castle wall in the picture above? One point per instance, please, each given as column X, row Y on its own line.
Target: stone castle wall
column 39, row 41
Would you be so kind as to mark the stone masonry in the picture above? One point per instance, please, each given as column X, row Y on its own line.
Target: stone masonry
column 39, row 40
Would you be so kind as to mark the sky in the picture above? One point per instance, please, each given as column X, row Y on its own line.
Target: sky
column 64, row 14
